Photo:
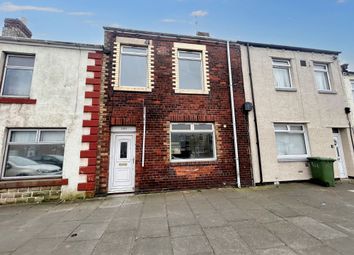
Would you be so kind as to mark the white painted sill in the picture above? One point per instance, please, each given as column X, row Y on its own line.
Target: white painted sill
column 118, row 88
column 327, row 92
column 193, row 92
column 282, row 160
column 286, row 89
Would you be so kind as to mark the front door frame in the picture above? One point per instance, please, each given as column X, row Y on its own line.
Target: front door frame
column 121, row 130
column 341, row 152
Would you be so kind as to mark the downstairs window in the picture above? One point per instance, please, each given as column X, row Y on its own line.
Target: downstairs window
column 34, row 153
column 192, row 142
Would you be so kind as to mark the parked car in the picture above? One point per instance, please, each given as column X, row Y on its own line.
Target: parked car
column 50, row 159
column 21, row 166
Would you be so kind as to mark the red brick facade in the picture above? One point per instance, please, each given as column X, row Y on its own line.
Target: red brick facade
column 92, row 124
column 163, row 106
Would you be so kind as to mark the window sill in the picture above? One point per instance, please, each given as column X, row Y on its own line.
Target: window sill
column 194, row 163
column 327, row 92
column 32, row 183
column 286, row 89
column 292, row 159
column 17, row 100
column 118, row 88
column 193, row 92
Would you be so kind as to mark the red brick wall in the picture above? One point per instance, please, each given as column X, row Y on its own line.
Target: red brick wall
column 163, row 106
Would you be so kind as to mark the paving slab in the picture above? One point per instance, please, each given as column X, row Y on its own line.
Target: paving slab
column 153, row 246
column 112, row 243
column 39, row 246
column 188, row 230
column 316, row 229
column 61, row 229
column 256, row 236
column 225, row 240
column 211, row 220
column 153, row 227
column 320, row 250
column 189, row 245
column 118, row 224
column 276, row 251
column 77, row 248
column 87, row 231
column 292, row 235
column 342, row 245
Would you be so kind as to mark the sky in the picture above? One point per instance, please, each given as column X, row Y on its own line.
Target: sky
column 322, row 24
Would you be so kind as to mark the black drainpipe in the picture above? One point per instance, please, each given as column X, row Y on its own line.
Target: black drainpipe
column 255, row 115
column 347, row 112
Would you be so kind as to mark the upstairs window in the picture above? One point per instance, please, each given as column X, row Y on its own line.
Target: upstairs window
column 133, row 67
column 322, row 77
column 282, row 75
column 190, row 67
column 352, row 83
column 192, row 142
column 291, row 141
column 17, row 76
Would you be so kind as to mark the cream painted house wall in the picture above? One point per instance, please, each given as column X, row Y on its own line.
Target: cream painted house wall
column 58, row 85
column 350, row 98
column 318, row 111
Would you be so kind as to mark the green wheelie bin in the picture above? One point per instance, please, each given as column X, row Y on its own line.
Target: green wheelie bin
column 322, row 170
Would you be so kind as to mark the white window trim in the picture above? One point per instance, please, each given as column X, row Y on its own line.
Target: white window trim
column 121, row 86
column 204, row 62
column 34, row 143
column 283, row 66
column 17, row 67
column 352, row 88
column 323, row 71
column 306, row 138
column 214, row 158
column 133, row 42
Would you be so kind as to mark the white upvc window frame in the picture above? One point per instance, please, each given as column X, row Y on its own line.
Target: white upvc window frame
column 186, row 47
column 199, row 59
column 192, row 130
column 6, row 67
column 326, row 71
column 286, row 66
column 146, row 54
column 36, row 142
column 288, row 130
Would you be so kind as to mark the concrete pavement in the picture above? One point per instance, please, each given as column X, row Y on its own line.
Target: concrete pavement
column 292, row 219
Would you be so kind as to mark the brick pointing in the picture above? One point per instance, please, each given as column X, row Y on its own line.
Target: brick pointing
column 163, row 106
column 92, row 124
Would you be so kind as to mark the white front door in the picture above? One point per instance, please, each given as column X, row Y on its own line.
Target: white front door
column 122, row 163
column 339, row 155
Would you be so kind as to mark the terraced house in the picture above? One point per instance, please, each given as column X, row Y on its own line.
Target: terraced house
column 349, row 87
column 167, row 116
column 48, row 116
column 300, row 111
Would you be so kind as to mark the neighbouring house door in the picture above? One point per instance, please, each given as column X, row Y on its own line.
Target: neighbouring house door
column 122, row 162
column 340, row 155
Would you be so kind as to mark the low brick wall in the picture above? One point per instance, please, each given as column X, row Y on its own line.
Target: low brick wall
column 29, row 195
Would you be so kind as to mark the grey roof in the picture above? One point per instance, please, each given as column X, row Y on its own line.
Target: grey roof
column 203, row 38
column 284, row 47
column 165, row 35
column 48, row 43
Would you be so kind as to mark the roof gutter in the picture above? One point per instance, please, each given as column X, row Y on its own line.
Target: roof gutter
column 233, row 115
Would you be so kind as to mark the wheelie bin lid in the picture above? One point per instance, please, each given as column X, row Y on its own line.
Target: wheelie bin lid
column 320, row 159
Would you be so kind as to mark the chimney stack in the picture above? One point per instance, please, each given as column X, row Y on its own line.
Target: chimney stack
column 16, row 28
column 203, row 34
